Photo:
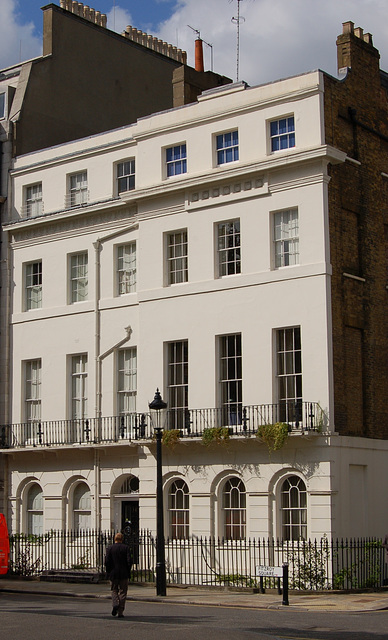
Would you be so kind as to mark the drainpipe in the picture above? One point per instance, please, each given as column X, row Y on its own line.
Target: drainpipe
column 100, row 357
column 97, row 314
column 99, row 360
column 7, row 324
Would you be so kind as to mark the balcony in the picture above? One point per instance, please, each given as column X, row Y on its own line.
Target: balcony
column 242, row 422
column 32, row 209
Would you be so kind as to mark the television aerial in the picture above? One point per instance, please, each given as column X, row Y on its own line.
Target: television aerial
column 237, row 20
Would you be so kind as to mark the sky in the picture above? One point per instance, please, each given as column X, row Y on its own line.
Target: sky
column 277, row 38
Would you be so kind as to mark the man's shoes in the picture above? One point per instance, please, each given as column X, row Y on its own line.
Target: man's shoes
column 121, row 615
column 114, row 611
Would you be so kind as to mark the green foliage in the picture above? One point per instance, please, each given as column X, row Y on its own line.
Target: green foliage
column 218, row 435
column 308, row 565
column 24, row 563
column 83, row 562
column 237, row 580
column 365, row 572
column 320, row 419
column 30, row 538
column 274, row 435
column 171, row 437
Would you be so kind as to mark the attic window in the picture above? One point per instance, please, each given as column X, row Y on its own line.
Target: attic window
column 2, row 105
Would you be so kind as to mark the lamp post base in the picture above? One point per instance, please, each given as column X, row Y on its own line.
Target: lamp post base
column 160, row 578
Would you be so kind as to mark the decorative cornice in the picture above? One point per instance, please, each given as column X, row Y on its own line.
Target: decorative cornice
column 238, row 171
column 61, row 228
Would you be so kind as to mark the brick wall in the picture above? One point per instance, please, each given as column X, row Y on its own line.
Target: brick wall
column 356, row 121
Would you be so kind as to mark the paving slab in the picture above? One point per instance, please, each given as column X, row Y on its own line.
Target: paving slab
column 322, row 601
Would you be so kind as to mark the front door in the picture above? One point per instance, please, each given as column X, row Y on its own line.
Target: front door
column 130, row 511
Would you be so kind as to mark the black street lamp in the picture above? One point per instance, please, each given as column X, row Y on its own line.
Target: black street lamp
column 157, row 405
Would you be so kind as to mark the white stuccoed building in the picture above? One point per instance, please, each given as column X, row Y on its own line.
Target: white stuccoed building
column 188, row 252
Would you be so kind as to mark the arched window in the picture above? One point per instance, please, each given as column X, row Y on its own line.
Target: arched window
column 234, row 509
column 178, row 506
column 81, row 507
column 35, row 510
column 294, row 509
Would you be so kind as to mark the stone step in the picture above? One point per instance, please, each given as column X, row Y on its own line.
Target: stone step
column 71, row 575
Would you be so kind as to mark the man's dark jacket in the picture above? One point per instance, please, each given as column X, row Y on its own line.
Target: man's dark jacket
column 118, row 561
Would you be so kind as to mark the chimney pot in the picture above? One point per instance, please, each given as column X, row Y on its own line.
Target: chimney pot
column 199, row 55
column 348, row 27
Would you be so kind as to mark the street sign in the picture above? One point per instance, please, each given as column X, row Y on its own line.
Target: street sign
column 269, row 572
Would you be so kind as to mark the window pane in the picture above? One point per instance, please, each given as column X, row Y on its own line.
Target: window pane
column 177, row 257
column 176, row 160
column 177, row 383
column 229, row 255
column 125, row 176
column 35, row 510
column 79, row 277
column 32, row 392
column 282, row 133
column 294, row 509
column 231, row 379
column 33, row 287
column 78, row 189
column 126, row 268
column 2, row 105
column 179, row 509
column 227, row 147
column 79, row 387
column 286, row 238
column 127, row 381
column 289, row 372
column 234, row 501
column 81, row 507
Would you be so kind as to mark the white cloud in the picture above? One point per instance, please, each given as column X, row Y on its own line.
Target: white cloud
column 17, row 41
column 278, row 38
column 118, row 19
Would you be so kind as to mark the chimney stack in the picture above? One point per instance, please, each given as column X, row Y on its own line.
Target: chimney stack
column 199, row 55
column 355, row 49
column 151, row 42
column 84, row 11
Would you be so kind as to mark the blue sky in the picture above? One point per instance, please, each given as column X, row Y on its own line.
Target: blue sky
column 278, row 38
column 146, row 14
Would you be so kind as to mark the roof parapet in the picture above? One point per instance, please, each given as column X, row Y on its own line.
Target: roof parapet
column 84, row 11
column 151, row 42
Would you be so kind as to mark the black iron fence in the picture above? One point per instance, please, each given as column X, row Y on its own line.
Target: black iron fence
column 313, row 565
column 303, row 416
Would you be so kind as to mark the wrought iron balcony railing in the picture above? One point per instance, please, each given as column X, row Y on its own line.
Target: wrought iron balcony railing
column 241, row 421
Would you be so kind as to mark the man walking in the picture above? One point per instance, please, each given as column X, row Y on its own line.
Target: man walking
column 118, row 565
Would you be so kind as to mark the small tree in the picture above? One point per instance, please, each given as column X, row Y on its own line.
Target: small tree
column 309, row 562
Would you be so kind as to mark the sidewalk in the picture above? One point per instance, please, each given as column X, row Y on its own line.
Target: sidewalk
column 323, row 601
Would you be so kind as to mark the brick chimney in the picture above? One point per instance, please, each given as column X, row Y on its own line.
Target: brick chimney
column 355, row 51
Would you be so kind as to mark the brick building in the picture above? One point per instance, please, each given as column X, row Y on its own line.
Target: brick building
column 356, row 122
